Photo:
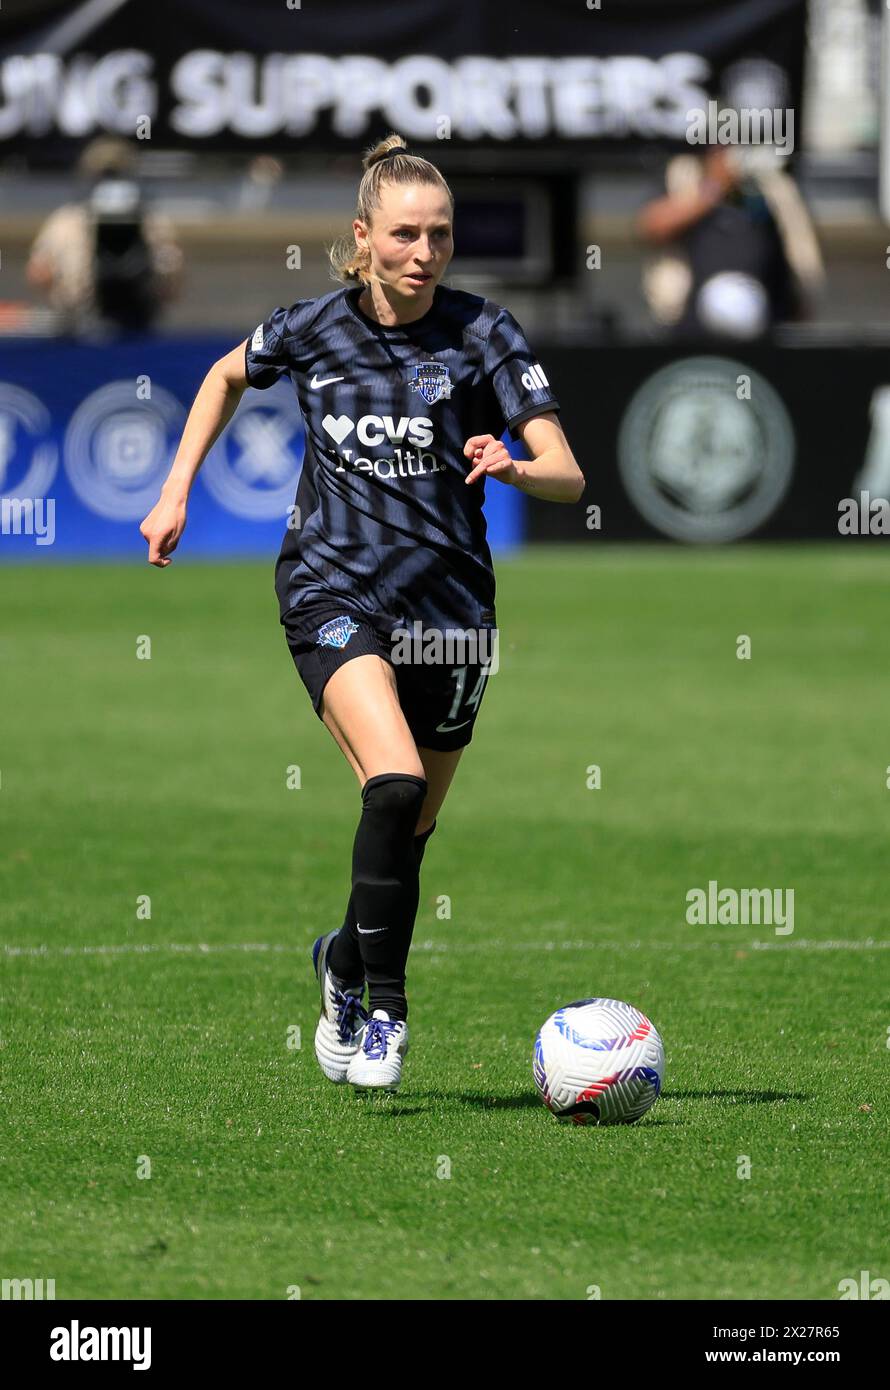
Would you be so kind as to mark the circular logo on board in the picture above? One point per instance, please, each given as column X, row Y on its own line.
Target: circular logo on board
column 118, row 449
column 28, row 456
column 253, row 469
column 706, row 450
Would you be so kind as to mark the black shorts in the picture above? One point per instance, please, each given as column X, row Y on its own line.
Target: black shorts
column 439, row 702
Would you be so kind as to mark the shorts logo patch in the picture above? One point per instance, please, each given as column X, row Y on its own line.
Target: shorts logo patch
column 337, row 632
column 256, row 341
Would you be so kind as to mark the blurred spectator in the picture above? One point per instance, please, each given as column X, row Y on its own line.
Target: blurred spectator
column 744, row 254
column 107, row 264
column 263, row 175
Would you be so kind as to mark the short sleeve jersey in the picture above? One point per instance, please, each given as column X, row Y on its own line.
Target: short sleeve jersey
column 383, row 518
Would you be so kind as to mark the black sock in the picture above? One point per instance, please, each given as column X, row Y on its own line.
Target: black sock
column 344, row 956
column 385, row 885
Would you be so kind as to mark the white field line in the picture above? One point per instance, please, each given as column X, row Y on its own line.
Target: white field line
column 444, row 947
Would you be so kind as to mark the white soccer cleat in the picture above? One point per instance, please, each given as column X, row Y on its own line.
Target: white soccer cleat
column 338, row 1034
column 377, row 1065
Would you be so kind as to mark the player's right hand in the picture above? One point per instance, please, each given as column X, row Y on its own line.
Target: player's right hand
column 162, row 529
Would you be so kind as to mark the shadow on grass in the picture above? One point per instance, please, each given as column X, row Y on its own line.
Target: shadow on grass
column 745, row 1097
column 529, row 1101
column 393, row 1107
column 488, row 1102
column 390, row 1109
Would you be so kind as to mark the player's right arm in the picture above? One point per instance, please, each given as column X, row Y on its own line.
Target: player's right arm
column 212, row 409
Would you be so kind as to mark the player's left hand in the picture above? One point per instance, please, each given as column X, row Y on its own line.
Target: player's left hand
column 489, row 455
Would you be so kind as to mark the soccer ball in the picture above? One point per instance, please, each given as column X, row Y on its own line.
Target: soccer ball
column 598, row 1062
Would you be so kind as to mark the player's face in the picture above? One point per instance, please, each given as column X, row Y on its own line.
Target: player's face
column 410, row 239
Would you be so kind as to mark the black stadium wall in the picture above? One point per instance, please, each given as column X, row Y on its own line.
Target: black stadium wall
column 711, row 445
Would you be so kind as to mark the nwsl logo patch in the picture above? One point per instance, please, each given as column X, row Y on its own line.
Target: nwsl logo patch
column 337, row 632
column 431, row 379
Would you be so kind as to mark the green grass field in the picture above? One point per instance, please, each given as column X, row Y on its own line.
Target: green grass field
column 124, row 1038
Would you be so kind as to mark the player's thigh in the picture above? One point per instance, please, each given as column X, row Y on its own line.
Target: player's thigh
column 438, row 769
column 360, row 706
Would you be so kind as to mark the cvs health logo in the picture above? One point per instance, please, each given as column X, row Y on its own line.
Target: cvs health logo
column 380, row 429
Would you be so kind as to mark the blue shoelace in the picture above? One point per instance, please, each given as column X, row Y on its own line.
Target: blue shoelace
column 377, row 1035
column 349, row 1014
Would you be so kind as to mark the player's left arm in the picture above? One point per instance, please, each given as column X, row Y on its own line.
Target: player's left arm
column 551, row 473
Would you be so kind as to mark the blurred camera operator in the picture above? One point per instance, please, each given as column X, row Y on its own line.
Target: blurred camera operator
column 745, row 255
column 108, row 264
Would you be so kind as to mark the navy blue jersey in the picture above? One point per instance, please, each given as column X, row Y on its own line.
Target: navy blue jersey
column 383, row 517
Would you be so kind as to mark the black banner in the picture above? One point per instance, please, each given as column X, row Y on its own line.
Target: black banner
column 566, row 75
column 113, row 1339
column 721, row 443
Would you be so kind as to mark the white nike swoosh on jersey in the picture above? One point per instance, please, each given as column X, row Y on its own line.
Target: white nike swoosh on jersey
column 315, row 383
column 368, row 931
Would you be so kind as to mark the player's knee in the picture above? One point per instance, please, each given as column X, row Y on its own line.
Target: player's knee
column 397, row 796
column 385, row 836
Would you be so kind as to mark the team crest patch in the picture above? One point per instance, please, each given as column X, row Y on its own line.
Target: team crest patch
column 431, row 379
column 337, row 632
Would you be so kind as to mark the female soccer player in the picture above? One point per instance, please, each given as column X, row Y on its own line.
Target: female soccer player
column 405, row 387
